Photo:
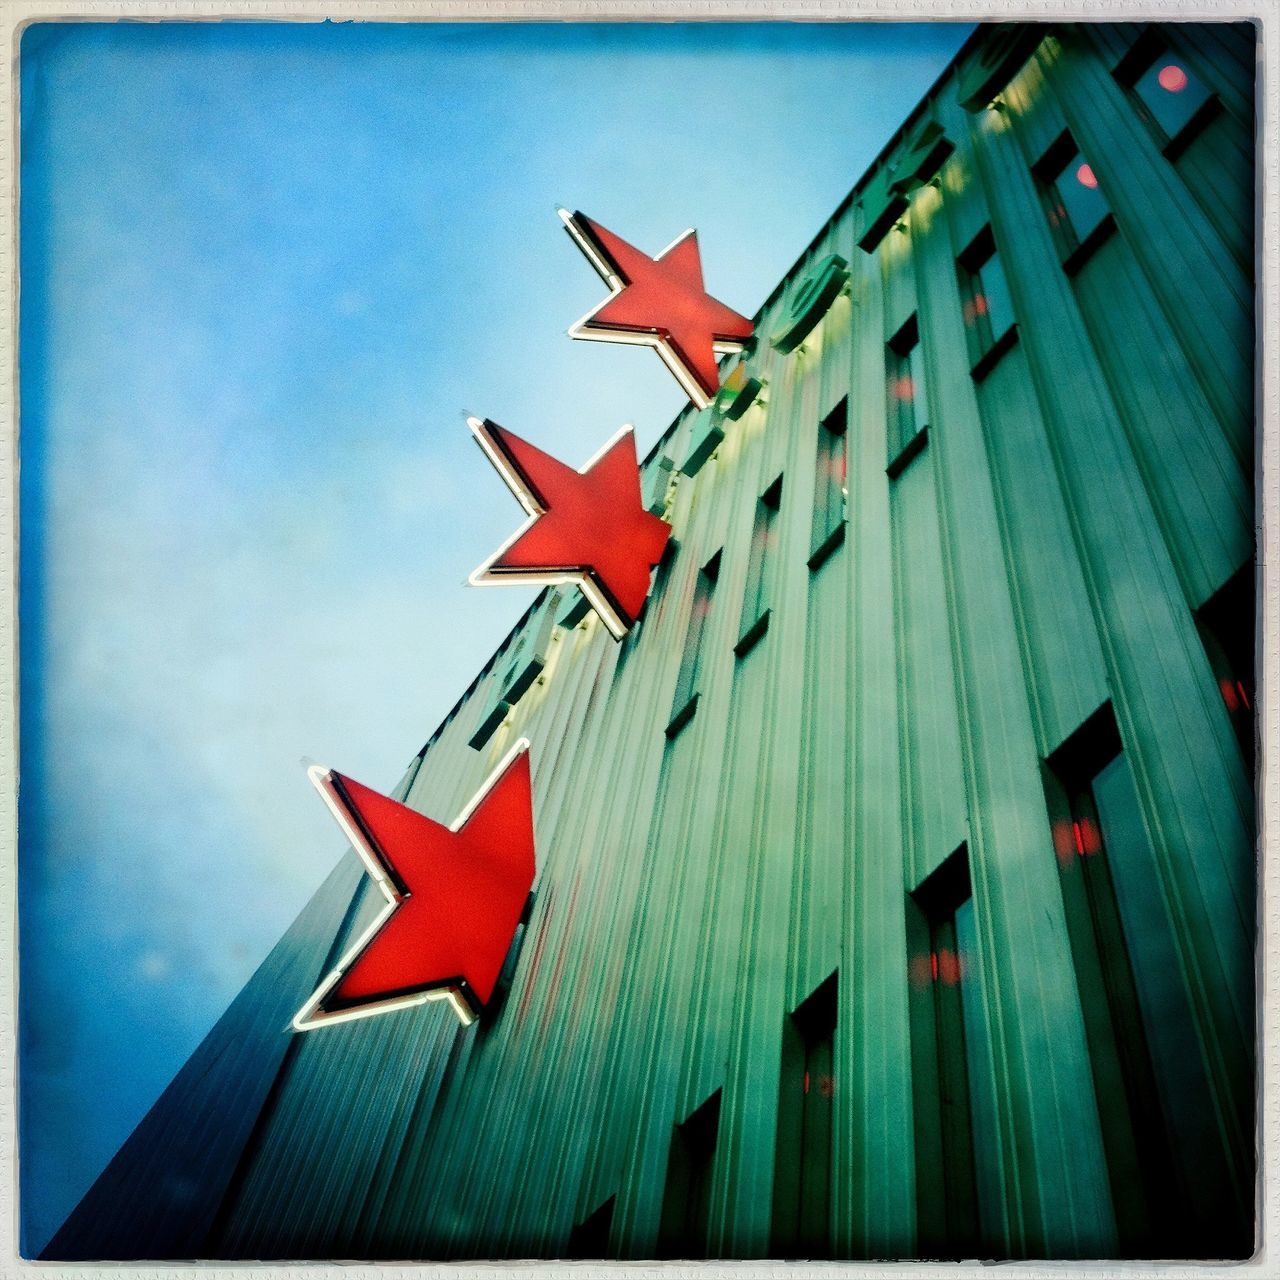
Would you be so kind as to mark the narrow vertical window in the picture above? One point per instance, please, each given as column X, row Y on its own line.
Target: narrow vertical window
column 686, row 1200
column 988, row 308
column 1079, row 216
column 658, row 580
column 802, row 1185
column 756, row 602
column 685, row 702
column 507, row 975
column 942, row 943
column 1226, row 624
column 1110, row 903
column 830, row 485
column 590, row 1237
column 1172, row 100
column 908, row 405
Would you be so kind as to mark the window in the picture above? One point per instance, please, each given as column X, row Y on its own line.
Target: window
column 908, row 406
column 1226, row 623
column 686, row 1200
column 806, row 1111
column 685, row 702
column 830, row 482
column 657, row 481
column 659, row 576
column 1173, row 101
column 507, row 976
column 988, row 308
column 590, row 1237
column 755, row 601
column 1079, row 215
column 1125, row 969
column 941, row 938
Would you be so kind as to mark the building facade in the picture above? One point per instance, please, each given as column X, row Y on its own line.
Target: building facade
column 896, row 874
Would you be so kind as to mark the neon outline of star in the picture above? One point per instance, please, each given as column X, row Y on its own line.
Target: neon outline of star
column 311, row 1016
column 617, row 624
column 683, row 375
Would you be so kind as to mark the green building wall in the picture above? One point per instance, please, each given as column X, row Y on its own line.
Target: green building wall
column 913, row 705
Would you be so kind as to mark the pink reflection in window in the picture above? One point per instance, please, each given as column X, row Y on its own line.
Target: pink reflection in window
column 1088, row 839
column 1085, row 177
column 901, row 388
column 1064, row 841
column 1229, row 695
column 1233, row 694
column 944, row 966
column 1172, row 78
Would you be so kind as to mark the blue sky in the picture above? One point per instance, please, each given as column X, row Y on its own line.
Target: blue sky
column 265, row 271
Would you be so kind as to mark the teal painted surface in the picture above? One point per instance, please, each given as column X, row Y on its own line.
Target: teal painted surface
column 1042, row 555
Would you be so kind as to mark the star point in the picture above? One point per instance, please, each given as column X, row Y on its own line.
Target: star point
column 588, row 527
column 659, row 302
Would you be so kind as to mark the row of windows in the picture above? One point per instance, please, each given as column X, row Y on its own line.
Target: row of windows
column 1175, row 103
column 1176, row 106
column 1138, row 1026
column 1228, row 642
column 830, row 495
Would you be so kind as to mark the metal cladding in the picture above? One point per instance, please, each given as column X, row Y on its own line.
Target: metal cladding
column 896, row 872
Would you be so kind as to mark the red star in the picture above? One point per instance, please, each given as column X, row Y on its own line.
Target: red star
column 659, row 302
column 586, row 526
column 454, row 897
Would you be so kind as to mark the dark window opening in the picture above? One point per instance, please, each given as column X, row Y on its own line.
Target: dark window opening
column 658, row 579
column 685, row 701
column 1079, row 216
column 1172, row 100
column 756, row 598
column 507, row 976
column 802, row 1185
column 941, row 940
column 1226, row 622
column 590, row 1237
column 988, row 308
column 830, row 484
column 907, row 397
column 1110, row 904
column 686, row 1201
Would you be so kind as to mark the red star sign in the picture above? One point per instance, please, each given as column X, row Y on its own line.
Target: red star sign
column 588, row 526
column 454, row 897
column 659, row 302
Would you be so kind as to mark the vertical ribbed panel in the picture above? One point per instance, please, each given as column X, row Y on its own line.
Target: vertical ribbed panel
column 1041, row 556
column 159, row 1195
